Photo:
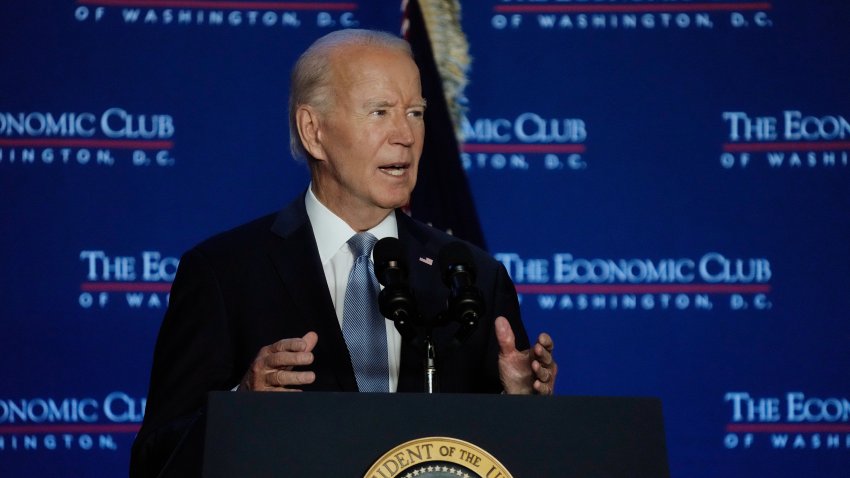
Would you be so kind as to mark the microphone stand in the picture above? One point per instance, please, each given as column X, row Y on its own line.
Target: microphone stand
column 430, row 362
column 430, row 365
column 397, row 303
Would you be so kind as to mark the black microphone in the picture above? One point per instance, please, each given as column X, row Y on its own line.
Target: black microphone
column 396, row 302
column 466, row 304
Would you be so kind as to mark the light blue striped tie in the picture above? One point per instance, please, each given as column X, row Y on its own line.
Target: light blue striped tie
column 362, row 324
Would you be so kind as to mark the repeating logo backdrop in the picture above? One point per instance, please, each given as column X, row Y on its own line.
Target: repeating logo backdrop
column 666, row 182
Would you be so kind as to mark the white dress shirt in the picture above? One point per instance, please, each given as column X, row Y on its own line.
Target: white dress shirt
column 332, row 235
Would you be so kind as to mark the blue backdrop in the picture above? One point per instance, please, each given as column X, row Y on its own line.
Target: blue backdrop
column 666, row 181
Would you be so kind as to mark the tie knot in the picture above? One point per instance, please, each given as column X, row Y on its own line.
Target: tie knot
column 361, row 244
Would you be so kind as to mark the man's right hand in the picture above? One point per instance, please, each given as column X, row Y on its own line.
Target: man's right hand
column 272, row 370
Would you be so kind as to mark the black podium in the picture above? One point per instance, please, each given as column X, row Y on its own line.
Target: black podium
column 344, row 434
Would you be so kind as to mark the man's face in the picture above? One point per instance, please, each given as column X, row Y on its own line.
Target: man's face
column 370, row 139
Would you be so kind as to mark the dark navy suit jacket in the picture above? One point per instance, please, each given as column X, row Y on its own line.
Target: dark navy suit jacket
column 261, row 282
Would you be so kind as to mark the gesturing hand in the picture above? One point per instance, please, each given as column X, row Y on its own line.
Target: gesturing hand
column 525, row 371
column 272, row 369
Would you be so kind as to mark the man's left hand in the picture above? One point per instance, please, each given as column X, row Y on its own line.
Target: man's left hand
column 524, row 372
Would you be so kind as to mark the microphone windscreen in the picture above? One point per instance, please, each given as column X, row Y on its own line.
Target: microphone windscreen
column 455, row 254
column 388, row 250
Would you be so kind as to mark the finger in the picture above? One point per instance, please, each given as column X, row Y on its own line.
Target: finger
column 543, row 349
column 543, row 355
column 553, row 376
column 542, row 388
column 544, row 374
column 310, row 339
column 288, row 359
column 505, row 336
column 546, row 341
column 289, row 345
column 286, row 378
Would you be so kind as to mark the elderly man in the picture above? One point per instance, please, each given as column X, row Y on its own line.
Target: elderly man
column 283, row 303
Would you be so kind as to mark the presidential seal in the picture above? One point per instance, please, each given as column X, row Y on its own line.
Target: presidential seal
column 437, row 457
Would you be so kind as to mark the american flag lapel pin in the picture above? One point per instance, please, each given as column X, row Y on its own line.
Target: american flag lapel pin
column 426, row 260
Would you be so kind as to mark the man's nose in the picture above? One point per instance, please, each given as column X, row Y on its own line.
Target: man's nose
column 403, row 131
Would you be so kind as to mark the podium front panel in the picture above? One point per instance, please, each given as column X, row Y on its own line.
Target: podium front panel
column 344, row 434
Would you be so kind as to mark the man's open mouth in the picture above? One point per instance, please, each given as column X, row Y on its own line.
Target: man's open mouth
column 394, row 169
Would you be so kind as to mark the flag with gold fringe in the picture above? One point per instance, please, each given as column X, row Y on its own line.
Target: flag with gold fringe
column 442, row 196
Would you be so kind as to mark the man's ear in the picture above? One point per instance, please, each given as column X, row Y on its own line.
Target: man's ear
column 308, row 122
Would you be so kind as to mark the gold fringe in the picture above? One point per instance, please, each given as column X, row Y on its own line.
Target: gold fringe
column 451, row 53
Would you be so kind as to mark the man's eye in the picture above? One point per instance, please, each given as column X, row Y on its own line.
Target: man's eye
column 379, row 112
column 416, row 113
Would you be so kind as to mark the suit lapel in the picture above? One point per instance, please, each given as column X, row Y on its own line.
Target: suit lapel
column 296, row 258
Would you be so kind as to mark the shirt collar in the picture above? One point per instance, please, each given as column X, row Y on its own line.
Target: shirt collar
column 332, row 233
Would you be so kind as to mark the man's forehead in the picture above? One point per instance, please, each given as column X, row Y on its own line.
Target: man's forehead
column 367, row 67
